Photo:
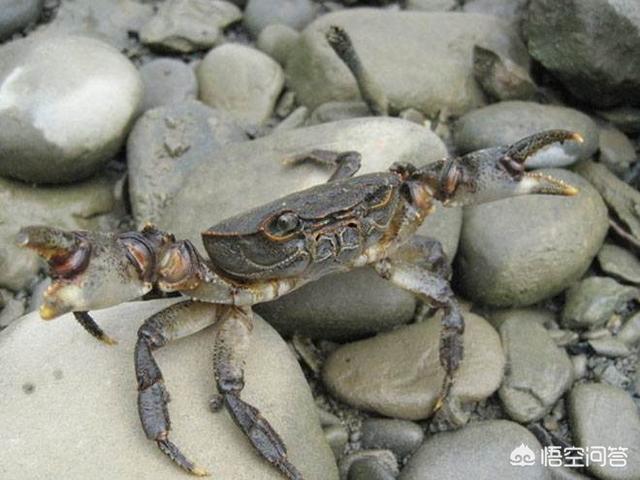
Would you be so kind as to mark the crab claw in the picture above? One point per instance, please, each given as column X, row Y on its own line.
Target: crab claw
column 495, row 173
column 89, row 270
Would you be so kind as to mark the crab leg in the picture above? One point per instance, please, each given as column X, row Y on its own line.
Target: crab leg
column 346, row 164
column 420, row 266
column 90, row 325
column 231, row 346
column 179, row 320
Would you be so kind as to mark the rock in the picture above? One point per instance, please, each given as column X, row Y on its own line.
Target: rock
column 609, row 347
column 518, row 251
column 512, row 11
column 581, row 52
column 241, row 80
column 616, row 150
column 277, row 41
column 500, row 78
column 66, row 102
column 167, row 81
column 539, row 372
column 507, row 122
column 562, row 338
column 108, row 20
column 609, row 374
column 591, row 302
column 334, row 111
column 528, row 315
column 186, row 26
column 432, row 5
column 400, row 436
column 626, row 118
column 619, row 262
column 295, row 14
column 381, row 458
column 67, row 374
column 11, row 308
column 165, row 142
column 428, row 79
column 296, row 119
column 606, row 416
column 398, row 373
column 337, row 438
column 17, row 14
column 83, row 206
column 566, row 473
column 630, row 331
column 369, row 469
column 179, row 198
column 481, row 451
column 579, row 366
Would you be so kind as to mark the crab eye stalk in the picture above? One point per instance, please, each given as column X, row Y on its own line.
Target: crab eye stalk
column 283, row 225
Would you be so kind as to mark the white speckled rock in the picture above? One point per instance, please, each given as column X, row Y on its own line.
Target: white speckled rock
column 241, row 80
column 66, row 105
column 69, row 404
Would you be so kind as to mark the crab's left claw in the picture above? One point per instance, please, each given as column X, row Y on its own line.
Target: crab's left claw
column 495, row 173
column 91, row 270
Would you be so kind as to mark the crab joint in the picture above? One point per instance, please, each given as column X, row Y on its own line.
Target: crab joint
column 180, row 267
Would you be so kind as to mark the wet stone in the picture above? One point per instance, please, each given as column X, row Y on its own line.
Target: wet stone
column 507, row 122
column 400, row 436
column 242, row 81
column 16, row 15
column 97, row 389
column 185, row 26
column 602, row 415
column 620, row 263
column 399, row 374
column 521, row 250
column 167, row 81
column 480, row 451
column 428, row 79
column 591, row 302
column 66, row 102
column 539, row 371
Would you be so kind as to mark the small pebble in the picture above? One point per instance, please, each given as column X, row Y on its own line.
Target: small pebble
column 295, row 120
column 608, row 373
column 383, row 457
column 327, row 419
column 620, row 263
column 579, row 366
column 400, row 436
column 616, row 150
column 369, row 469
column 630, row 331
column 609, row 347
column 337, row 438
column 295, row 14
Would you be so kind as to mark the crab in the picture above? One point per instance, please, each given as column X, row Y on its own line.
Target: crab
column 260, row 255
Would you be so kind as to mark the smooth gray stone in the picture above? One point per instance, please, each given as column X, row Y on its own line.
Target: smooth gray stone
column 617, row 152
column 539, row 371
column 66, row 374
column 606, row 416
column 167, row 81
column 505, row 123
column 480, row 451
column 66, row 106
column 241, row 80
column 519, row 251
column 398, row 374
column 259, row 14
column 17, row 14
column 574, row 40
column 620, row 263
column 591, row 302
column 277, row 41
column 369, row 469
column 185, row 26
column 421, row 60
column 630, row 331
column 400, row 436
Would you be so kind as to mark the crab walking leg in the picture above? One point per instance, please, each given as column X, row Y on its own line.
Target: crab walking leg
column 90, row 325
column 232, row 343
column 431, row 287
column 346, row 164
column 177, row 321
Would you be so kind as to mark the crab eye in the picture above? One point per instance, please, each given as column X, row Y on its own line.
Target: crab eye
column 283, row 225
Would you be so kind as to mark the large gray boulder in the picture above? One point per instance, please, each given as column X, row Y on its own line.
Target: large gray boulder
column 421, row 60
column 69, row 404
column 587, row 44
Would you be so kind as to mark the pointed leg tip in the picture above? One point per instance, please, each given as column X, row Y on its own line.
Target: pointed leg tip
column 577, row 137
column 109, row 341
column 200, row 472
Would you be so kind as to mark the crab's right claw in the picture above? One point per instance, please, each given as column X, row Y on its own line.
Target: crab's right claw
column 92, row 270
